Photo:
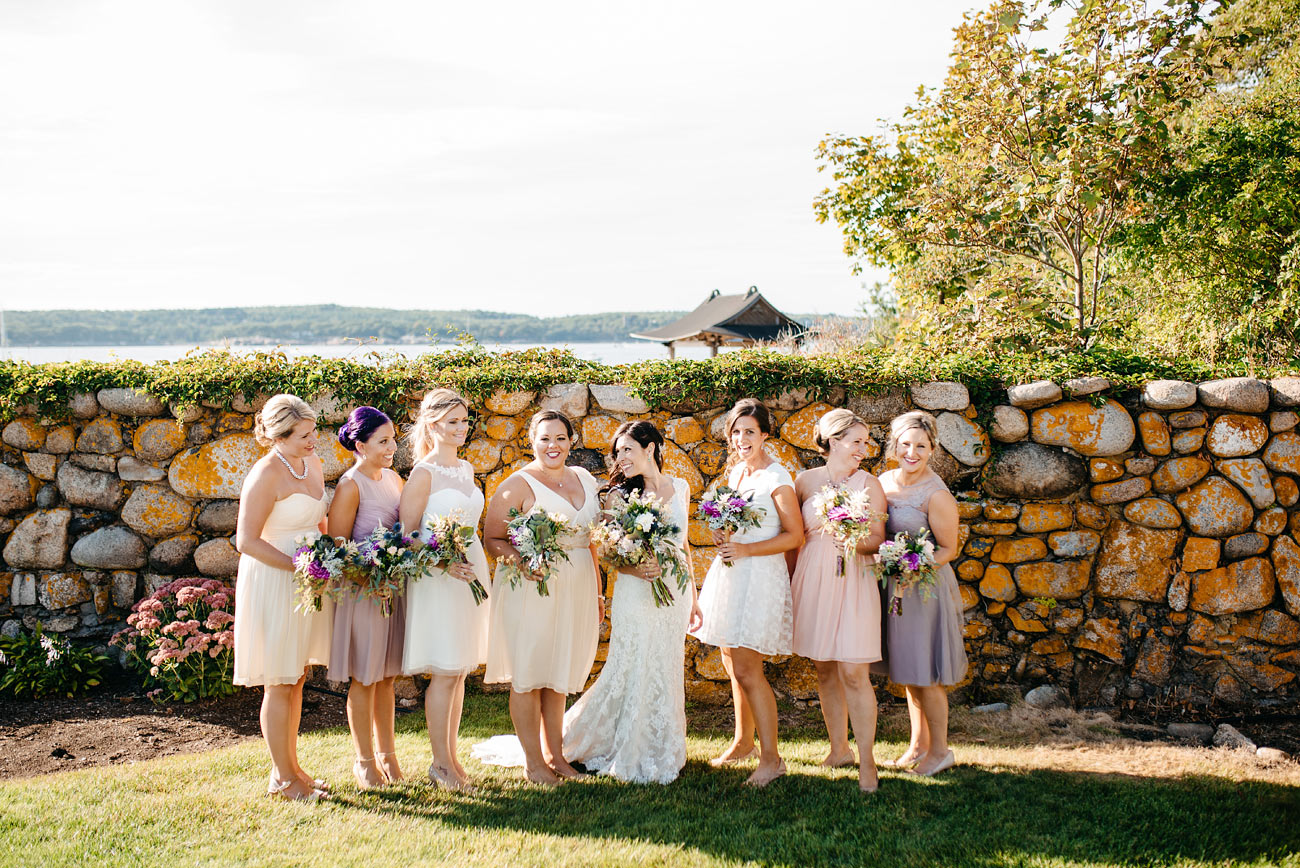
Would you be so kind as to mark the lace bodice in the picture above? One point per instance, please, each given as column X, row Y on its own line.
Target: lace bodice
column 453, row 490
column 761, row 484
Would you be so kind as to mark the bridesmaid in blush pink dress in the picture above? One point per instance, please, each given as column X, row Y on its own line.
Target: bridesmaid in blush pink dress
column 837, row 618
column 367, row 647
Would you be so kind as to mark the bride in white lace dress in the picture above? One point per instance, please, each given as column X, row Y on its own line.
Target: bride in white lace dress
column 631, row 724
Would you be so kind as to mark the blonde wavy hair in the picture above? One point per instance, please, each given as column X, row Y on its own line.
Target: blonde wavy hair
column 831, row 425
column 435, row 405
column 908, row 421
column 278, row 417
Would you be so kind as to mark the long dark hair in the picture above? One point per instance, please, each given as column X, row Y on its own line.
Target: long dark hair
column 644, row 433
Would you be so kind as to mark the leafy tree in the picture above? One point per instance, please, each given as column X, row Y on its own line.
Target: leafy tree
column 996, row 199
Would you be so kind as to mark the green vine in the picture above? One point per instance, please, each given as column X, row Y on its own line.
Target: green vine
column 391, row 382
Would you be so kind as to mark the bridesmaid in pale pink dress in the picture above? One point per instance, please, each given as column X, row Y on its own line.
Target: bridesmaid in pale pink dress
column 367, row 647
column 837, row 618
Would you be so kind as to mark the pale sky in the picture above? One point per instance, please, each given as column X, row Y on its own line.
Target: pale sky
column 547, row 158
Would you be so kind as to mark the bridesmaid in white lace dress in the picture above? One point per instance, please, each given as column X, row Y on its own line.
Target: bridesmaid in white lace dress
column 446, row 631
column 746, row 606
column 283, row 498
column 631, row 724
column 545, row 646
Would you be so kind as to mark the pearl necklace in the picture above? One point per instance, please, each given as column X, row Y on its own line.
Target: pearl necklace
column 289, row 467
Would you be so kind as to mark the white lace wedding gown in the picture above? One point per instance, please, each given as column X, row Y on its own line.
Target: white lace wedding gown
column 631, row 724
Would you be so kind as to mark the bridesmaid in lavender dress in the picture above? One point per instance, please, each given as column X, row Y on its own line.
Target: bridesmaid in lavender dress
column 837, row 617
column 367, row 646
column 923, row 644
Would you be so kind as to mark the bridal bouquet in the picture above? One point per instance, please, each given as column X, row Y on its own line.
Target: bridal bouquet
column 319, row 563
column 446, row 542
column 384, row 561
column 539, row 537
column 727, row 510
column 634, row 529
column 909, row 561
column 847, row 515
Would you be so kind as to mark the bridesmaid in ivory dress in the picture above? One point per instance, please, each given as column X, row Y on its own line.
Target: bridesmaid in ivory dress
column 446, row 631
column 631, row 724
column 545, row 646
column 367, row 648
column 746, row 605
column 837, row 617
column 923, row 644
column 283, row 498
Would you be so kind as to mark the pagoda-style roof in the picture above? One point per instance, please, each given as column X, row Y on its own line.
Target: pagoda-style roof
column 724, row 320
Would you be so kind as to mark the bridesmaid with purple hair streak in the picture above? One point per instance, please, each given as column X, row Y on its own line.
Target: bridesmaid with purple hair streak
column 367, row 646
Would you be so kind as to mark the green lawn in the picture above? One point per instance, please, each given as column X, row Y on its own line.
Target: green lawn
column 1008, row 806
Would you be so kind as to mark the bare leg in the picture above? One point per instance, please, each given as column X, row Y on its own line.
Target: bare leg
column 439, row 700
column 920, row 739
column 860, row 698
column 276, row 720
column 526, row 714
column 742, row 743
column 385, row 714
column 361, row 723
column 295, row 724
column 748, row 670
column 453, row 728
column 553, row 734
column 933, row 700
column 834, row 712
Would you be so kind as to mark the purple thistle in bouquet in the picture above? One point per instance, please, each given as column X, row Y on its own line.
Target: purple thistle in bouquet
column 727, row 510
column 446, row 542
column 847, row 516
column 539, row 536
column 319, row 563
column 384, row 561
column 909, row 561
column 635, row 529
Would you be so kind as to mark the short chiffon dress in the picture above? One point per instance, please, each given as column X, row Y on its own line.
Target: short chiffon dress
column 747, row 604
column 446, row 631
column 835, row 617
column 537, row 642
column 367, row 644
column 274, row 642
column 923, row 645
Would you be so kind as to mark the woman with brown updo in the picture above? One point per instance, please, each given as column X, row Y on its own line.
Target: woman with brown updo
column 282, row 499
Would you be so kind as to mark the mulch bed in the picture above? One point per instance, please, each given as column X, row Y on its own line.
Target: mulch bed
column 119, row 725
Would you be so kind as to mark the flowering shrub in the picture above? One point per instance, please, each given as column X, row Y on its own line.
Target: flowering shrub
column 36, row 666
column 182, row 638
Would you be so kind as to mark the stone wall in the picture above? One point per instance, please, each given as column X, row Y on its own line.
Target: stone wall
column 1122, row 544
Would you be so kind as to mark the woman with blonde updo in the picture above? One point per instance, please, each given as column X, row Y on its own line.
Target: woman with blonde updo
column 837, row 617
column 446, row 631
column 923, row 644
column 283, row 498
column 745, row 600
column 545, row 646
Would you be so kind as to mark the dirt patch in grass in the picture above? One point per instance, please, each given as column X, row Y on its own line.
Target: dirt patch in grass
column 117, row 725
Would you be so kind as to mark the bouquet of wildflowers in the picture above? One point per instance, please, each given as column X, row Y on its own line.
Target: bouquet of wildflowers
column 182, row 638
column 634, row 529
column 539, row 537
column 319, row 563
column 909, row 561
column 847, row 515
column 446, row 542
column 383, row 562
column 727, row 510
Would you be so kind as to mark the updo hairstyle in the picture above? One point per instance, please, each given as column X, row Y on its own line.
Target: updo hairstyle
column 362, row 423
column 833, row 424
column 908, row 421
column 644, row 433
column 547, row 416
column 278, row 417
column 435, row 405
column 752, row 408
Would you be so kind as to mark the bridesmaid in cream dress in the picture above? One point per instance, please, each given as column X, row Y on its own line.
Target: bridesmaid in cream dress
column 367, row 646
column 545, row 646
column 446, row 631
column 837, row 617
column 283, row 498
